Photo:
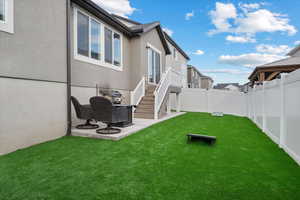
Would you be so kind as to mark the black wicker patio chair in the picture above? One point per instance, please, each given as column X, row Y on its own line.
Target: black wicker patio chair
column 106, row 112
column 84, row 112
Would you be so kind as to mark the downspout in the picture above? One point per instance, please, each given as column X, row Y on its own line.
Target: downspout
column 68, row 23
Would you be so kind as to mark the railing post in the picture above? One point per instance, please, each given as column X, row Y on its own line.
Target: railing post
column 169, row 105
column 282, row 112
column 178, row 101
column 264, row 107
column 155, row 109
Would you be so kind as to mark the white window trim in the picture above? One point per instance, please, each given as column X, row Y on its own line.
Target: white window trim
column 8, row 24
column 150, row 46
column 90, row 60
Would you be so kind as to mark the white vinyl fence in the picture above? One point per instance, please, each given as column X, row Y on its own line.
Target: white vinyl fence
column 201, row 100
column 275, row 108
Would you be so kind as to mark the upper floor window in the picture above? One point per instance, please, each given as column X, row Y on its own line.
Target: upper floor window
column 112, row 47
column 6, row 16
column 2, row 10
column 97, row 43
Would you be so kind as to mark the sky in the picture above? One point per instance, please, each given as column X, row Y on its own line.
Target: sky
column 224, row 39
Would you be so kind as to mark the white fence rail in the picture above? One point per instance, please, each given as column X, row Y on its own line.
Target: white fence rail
column 138, row 93
column 201, row 100
column 275, row 108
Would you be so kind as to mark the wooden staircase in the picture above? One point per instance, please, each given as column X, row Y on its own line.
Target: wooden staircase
column 145, row 109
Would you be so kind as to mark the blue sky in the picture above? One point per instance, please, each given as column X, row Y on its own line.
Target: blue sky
column 231, row 37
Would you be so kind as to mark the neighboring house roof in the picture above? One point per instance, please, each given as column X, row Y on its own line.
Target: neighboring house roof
column 293, row 51
column 283, row 62
column 176, row 46
column 195, row 69
column 200, row 74
column 207, row 77
column 221, row 86
column 286, row 62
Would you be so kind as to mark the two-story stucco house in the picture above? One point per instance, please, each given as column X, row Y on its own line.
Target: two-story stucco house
column 53, row 49
column 196, row 79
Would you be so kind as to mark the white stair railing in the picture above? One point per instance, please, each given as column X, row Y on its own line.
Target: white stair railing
column 176, row 78
column 138, row 93
column 161, row 91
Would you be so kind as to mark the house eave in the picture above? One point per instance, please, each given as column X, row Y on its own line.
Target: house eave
column 176, row 46
column 104, row 15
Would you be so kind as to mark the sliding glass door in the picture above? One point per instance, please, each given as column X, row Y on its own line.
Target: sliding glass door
column 154, row 66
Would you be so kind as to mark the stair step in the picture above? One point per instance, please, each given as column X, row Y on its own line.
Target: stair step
column 144, row 115
column 146, row 103
column 148, row 97
column 145, row 106
column 144, row 110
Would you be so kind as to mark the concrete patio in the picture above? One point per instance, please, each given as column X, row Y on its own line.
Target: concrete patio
column 138, row 124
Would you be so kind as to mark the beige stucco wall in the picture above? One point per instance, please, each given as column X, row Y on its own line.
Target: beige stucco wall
column 37, row 48
column 32, row 112
column 172, row 62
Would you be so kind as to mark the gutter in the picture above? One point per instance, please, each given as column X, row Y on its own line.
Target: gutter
column 68, row 31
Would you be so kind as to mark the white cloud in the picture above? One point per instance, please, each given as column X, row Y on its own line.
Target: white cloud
column 198, row 52
column 264, row 21
column 189, row 15
column 273, row 49
column 248, row 7
column 240, row 39
column 118, row 7
column 220, row 17
column 297, row 42
column 225, row 71
column 168, row 31
column 249, row 60
column 253, row 19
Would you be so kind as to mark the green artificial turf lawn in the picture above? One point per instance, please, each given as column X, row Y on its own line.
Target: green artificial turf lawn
column 156, row 163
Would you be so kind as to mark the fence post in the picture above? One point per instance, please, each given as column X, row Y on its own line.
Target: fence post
column 282, row 112
column 254, row 104
column 264, row 107
column 207, row 100
column 250, row 110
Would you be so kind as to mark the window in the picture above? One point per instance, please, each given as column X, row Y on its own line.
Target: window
column 108, row 45
column 96, row 43
column 95, row 40
column 2, row 10
column 7, row 16
column 117, row 49
column 83, row 34
column 112, row 47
